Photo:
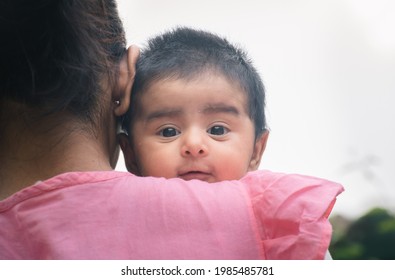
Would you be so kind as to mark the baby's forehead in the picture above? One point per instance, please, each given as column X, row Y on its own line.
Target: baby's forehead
column 212, row 86
column 197, row 76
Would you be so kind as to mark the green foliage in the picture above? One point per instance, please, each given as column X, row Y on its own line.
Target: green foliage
column 372, row 236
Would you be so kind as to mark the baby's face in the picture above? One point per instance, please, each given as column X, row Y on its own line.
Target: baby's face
column 195, row 129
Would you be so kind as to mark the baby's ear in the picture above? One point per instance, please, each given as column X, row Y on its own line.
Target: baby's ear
column 127, row 71
column 259, row 148
column 128, row 153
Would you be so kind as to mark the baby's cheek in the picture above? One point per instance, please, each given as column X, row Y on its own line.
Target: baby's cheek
column 232, row 172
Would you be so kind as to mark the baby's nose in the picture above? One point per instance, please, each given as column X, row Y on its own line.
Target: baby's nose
column 194, row 145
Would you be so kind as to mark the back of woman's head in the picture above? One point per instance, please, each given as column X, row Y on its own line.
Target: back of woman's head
column 55, row 54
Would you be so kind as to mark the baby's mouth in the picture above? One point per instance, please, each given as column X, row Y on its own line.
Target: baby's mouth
column 197, row 175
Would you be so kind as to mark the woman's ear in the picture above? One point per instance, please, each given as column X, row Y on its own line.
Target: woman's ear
column 128, row 153
column 259, row 148
column 127, row 71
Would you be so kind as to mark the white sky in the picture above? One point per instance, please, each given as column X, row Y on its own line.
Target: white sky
column 329, row 71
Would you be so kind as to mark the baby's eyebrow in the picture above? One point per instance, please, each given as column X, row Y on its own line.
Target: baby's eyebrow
column 220, row 108
column 162, row 113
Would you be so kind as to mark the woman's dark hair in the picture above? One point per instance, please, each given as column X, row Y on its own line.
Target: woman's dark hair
column 184, row 53
column 55, row 54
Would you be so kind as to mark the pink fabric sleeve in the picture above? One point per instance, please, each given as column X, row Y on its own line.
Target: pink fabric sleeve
column 292, row 213
column 116, row 215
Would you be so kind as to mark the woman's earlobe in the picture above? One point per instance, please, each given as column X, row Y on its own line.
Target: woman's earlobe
column 127, row 71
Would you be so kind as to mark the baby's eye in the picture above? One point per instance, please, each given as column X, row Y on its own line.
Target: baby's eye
column 217, row 130
column 169, row 132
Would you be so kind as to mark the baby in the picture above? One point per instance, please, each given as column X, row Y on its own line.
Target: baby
column 197, row 110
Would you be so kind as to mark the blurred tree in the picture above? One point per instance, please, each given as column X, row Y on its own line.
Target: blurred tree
column 371, row 236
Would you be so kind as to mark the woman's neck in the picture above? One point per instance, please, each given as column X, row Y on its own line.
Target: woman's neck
column 39, row 150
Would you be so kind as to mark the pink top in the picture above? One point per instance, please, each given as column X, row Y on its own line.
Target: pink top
column 116, row 215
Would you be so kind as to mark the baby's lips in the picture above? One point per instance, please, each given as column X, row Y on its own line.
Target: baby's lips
column 197, row 175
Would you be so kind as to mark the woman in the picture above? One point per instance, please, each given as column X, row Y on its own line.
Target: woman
column 66, row 78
